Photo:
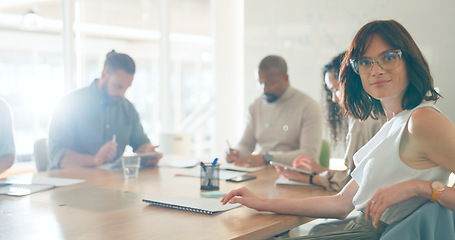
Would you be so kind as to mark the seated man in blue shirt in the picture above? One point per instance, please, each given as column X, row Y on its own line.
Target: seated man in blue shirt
column 92, row 126
column 7, row 147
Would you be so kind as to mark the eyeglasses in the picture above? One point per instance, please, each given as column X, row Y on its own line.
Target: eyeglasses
column 387, row 61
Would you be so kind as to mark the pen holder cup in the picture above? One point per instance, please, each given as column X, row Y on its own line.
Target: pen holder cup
column 210, row 176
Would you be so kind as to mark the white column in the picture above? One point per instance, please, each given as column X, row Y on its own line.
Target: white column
column 68, row 44
column 164, row 64
column 228, row 22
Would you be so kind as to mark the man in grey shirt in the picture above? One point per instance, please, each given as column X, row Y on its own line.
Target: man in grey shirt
column 284, row 122
column 92, row 126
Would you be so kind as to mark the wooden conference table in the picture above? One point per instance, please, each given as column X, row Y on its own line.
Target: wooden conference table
column 106, row 206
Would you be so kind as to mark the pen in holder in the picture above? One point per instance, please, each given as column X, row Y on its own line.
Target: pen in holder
column 210, row 176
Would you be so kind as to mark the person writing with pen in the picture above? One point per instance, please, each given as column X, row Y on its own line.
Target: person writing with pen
column 93, row 125
column 285, row 122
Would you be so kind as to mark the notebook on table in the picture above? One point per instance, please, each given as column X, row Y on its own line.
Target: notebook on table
column 22, row 189
column 192, row 204
column 28, row 183
column 284, row 181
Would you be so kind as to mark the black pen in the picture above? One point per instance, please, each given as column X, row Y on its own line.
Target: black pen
column 203, row 166
column 204, row 182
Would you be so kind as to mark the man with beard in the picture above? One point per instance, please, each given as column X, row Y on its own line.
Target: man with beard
column 285, row 123
column 92, row 126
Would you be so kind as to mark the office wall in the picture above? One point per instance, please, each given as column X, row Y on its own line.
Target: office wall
column 307, row 33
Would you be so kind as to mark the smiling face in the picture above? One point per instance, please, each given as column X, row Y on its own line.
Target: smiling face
column 404, row 84
column 384, row 85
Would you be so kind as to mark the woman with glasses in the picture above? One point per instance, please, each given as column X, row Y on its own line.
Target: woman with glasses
column 356, row 133
column 407, row 163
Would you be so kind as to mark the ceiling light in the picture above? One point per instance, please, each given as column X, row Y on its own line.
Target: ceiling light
column 31, row 21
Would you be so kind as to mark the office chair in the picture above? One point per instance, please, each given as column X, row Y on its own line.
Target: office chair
column 40, row 155
column 324, row 156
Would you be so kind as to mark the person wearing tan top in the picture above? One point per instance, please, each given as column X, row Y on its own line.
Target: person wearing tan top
column 284, row 122
column 359, row 133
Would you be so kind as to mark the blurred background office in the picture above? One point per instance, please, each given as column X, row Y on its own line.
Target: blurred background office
column 196, row 59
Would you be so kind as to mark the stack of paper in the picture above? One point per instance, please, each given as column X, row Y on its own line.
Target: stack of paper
column 177, row 161
column 232, row 167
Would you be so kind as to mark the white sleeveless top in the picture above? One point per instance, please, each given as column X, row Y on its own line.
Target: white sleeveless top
column 378, row 165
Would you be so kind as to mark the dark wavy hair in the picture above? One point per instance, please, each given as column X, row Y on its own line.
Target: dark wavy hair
column 335, row 115
column 356, row 100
